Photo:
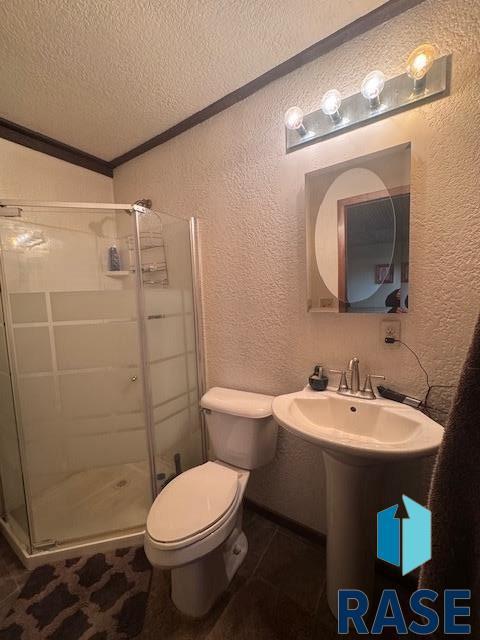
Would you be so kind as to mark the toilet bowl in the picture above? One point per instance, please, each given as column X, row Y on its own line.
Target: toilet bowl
column 194, row 527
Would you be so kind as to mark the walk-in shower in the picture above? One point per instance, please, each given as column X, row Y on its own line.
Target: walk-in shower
column 100, row 370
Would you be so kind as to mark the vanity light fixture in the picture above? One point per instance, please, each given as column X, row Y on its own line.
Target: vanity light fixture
column 294, row 120
column 419, row 63
column 429, row 71
column 372, row 87
column 330, row 105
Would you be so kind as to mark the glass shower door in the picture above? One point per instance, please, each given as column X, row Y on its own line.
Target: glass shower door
column 167, row 284
column 73, row 329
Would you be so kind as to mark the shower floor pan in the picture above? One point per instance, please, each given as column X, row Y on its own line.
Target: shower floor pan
column 96, row 509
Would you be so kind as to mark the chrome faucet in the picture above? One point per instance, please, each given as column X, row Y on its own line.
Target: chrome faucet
column 355, row 381
column 367, row 392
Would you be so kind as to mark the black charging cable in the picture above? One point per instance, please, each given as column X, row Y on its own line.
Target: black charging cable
column 424, row 406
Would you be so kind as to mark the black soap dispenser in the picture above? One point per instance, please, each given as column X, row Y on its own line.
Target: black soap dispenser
column 317, row 381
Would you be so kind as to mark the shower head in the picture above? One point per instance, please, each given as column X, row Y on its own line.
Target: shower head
column 141, row 206
column 145, row 202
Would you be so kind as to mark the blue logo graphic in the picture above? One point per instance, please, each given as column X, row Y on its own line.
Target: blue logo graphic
column 405, row 542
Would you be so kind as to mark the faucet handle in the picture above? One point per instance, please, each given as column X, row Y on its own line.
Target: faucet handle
column 343, row 384
column 368, row 382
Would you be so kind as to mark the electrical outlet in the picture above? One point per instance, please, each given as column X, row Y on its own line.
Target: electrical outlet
column 390, row 329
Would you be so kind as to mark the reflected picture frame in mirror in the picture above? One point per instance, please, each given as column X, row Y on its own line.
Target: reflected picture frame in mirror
column 357, row 232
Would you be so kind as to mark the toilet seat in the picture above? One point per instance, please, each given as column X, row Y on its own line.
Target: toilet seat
column 193, row 505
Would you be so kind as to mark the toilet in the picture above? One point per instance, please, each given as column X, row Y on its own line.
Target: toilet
column 194, row 527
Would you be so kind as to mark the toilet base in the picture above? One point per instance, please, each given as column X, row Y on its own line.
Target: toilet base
column 198, row 585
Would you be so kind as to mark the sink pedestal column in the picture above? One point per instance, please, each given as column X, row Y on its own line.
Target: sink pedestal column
column 352, row 492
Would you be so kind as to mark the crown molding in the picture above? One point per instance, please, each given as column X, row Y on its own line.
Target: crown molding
column 35, row 140
column 391, row 9
column 39, row 142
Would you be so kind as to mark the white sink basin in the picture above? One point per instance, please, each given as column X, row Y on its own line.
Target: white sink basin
column 359, row 439
column 376, row 429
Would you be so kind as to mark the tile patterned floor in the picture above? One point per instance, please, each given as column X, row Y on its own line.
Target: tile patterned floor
column 278, row 593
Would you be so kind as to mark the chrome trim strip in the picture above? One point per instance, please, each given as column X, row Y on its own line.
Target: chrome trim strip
column 199, row 326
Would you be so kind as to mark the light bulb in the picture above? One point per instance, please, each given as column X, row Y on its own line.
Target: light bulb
column 330, row 104
column 294, row 118
column 419, row 64
column 372, row 87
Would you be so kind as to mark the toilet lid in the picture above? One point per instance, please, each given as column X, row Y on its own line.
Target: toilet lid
column 192, row 502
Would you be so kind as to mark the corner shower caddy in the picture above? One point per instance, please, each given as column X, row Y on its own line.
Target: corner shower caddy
column 154, row 258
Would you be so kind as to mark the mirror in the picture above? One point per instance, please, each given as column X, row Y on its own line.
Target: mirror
column 358, row 222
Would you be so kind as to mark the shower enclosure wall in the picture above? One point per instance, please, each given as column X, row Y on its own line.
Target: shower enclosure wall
column 98, row 371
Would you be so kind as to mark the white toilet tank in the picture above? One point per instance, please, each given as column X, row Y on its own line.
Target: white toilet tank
column 240, row 426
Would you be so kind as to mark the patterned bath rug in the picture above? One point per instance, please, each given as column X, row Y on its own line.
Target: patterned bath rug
column 101, row 597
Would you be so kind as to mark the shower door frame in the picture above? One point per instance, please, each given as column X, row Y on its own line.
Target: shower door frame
column 9, row 342
column 198, row 316
column 135, row 211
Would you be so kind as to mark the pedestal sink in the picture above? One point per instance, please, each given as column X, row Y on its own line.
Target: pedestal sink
column 358, row 438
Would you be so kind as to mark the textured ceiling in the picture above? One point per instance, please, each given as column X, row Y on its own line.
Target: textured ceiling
column 106, row 75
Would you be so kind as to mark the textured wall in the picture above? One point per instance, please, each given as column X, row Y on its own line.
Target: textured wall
column 28, row 174
column 232, row 171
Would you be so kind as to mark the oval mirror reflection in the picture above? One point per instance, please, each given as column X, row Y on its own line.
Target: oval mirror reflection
column 358, row 223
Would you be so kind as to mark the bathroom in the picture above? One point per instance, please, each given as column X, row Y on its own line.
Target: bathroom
column 175, row 142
